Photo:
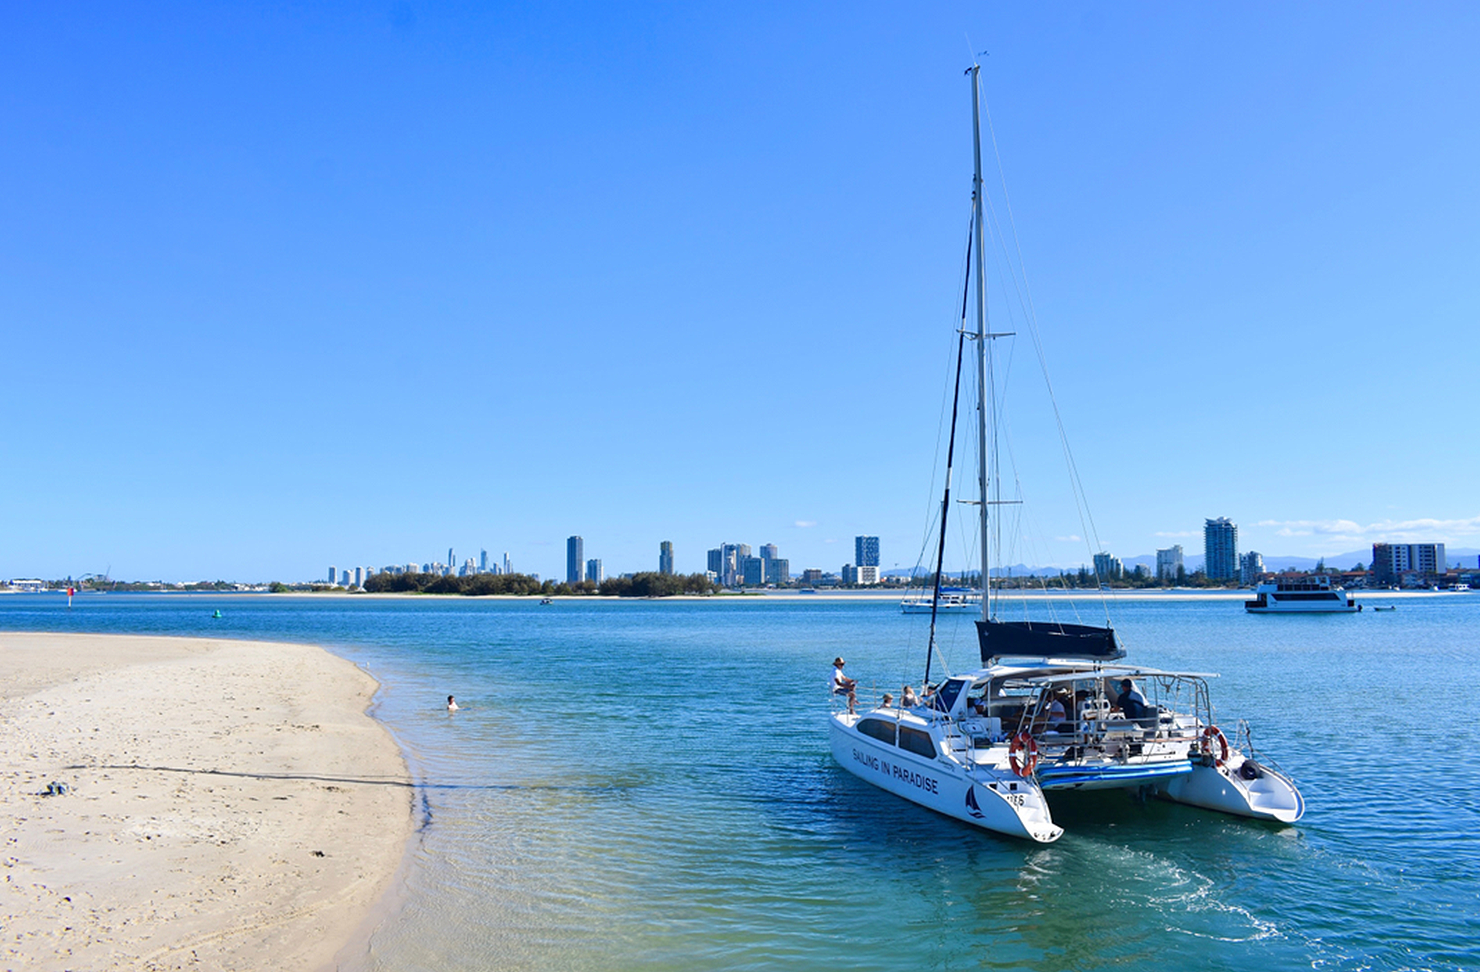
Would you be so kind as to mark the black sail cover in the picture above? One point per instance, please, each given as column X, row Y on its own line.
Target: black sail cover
column 1046, row 639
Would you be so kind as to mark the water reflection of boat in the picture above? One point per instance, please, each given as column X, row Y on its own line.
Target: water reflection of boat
column 1051, row 709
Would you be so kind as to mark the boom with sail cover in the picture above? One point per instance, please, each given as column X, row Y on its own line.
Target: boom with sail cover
column 1046, row 639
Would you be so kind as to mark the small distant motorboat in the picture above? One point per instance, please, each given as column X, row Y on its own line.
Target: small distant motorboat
column 547, row 600
column 1391, row 607
column 217, row 614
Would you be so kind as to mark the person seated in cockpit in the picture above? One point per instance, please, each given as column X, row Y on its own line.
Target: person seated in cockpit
column 1132, row 704
column 1057, row 716
column 1050, row 717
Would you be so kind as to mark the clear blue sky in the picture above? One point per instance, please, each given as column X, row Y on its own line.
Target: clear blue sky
column 286, row 285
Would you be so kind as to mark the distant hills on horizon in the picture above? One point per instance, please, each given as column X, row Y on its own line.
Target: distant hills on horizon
column 1194, row 562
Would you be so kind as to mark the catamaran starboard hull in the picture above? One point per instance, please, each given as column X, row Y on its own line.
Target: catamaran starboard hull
column 1270, row 796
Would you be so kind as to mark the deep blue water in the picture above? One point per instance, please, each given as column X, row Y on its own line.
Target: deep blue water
column 648, row 784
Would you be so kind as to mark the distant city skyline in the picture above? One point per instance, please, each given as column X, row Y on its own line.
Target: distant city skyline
column 1422, row 557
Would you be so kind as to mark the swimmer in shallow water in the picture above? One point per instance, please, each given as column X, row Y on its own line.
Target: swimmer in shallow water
column 452, row 705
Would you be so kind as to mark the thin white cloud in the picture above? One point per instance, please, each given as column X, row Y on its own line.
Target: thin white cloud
column 830, row 541
column 1395, row 531
column 1071, row 538
column 805, row 523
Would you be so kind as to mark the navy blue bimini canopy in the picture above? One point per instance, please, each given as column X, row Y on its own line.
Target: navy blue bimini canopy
column 1046, row 639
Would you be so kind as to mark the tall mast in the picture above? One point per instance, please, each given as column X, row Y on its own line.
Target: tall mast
column 983, row 393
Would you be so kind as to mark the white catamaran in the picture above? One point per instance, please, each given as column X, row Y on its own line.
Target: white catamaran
column 1053, row 707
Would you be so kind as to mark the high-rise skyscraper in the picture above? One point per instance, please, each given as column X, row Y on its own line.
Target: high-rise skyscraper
column 593, row 571
column 1108, row 567
column 333, row 573
column 1168, row 562
column 1220, row 549
column 506, row 562
column 866, row 551
column 359, row 577
column 731, row 556
column 483, row 560
column 575, row 559
column 1250, row 566
column 665, row 557
column 769, row 561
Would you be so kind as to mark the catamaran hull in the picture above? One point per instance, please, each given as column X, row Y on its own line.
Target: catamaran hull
column 1002, row 803
column 1271, row 796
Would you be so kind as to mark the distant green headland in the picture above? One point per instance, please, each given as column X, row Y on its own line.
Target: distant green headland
column 649, row 584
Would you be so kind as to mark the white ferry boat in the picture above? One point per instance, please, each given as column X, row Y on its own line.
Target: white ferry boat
column 1051, row 709
column 950, row 601
column 1309, row 595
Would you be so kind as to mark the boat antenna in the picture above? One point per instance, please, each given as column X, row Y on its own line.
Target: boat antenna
column 945, row 504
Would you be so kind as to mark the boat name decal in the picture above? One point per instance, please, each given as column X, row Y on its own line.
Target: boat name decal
column 927, row 783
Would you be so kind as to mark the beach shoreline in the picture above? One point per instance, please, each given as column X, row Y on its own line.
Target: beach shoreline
column 850, row 596
column 175, row 803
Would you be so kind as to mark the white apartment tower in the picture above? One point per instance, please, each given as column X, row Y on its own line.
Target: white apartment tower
column 1169, row 562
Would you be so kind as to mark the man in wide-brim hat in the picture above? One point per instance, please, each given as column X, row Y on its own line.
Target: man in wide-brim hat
column 843, row 685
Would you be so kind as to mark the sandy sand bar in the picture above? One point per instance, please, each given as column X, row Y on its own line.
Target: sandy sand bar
column 229, row 804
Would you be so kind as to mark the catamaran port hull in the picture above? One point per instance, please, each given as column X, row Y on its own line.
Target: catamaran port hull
column 980, row 796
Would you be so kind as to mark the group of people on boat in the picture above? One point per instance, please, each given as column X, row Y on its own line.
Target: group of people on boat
column 1054, row 715
column 908, row 699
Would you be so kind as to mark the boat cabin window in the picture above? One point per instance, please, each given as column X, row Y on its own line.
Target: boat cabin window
column 879, row 729
column 945, row 699
column 917, row 742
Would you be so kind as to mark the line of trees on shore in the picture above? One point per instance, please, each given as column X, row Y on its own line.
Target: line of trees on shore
column 650, row 584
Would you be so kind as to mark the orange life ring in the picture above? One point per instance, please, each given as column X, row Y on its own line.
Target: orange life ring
column 1208, row 735
column 1023, row 743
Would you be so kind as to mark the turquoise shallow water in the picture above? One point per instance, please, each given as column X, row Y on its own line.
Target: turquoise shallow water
column 648, row 784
